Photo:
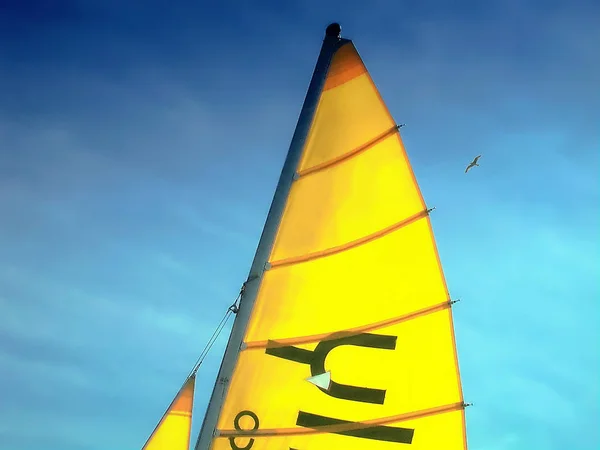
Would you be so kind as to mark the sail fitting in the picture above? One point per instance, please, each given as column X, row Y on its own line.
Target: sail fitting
column 235, row 306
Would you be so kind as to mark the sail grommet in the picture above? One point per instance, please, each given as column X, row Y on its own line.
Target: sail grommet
column 296, row 176
column 267, row 265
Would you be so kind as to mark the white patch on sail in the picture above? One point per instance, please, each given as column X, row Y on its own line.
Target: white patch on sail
column 322, row 380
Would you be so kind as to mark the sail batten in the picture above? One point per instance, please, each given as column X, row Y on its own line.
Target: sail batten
column 274, row 343
column 342, row 427
column 350, row 245
column 343, row 157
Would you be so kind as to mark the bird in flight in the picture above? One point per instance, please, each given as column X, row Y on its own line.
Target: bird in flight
column 473, row 163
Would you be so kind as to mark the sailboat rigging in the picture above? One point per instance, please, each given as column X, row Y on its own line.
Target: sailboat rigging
column 343, row 335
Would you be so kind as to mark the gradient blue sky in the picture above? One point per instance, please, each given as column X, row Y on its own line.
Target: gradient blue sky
column 140, row 144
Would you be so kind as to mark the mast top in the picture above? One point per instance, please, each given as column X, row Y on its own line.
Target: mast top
column 333, row 30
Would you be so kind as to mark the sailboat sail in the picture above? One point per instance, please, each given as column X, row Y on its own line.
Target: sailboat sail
column 173, row 430
column 350, row 342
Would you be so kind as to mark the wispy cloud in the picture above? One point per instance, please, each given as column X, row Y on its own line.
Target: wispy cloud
column 81, row 356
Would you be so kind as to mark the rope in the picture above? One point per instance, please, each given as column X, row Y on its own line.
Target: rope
column 233, row 309
column 210, row 342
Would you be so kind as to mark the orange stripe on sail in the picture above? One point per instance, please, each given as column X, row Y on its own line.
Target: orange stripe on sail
column 184, row 402
column 173, row 430
column 345, row 66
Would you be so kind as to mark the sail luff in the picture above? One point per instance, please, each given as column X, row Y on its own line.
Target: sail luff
column 331, row 43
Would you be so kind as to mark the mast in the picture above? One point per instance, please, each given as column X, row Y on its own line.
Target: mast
column 331, row 43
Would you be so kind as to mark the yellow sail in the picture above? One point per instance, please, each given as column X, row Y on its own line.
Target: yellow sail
column 173, row 431
column 350, row 343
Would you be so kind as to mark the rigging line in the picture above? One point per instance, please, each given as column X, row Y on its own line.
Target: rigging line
column 199, row 361
column 211, row 341
column 233, row 309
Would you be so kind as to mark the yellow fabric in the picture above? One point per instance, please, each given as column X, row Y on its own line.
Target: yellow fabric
column 173, row 431
column 354, row 254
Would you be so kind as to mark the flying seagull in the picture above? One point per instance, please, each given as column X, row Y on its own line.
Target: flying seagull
column 473, row 163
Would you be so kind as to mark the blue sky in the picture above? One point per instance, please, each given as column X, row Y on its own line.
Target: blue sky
column 140, row 144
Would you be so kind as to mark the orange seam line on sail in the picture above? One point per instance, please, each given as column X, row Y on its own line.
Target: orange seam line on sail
column 349, row 245
column 267, row 432
column 336, row 334
column 180, row 413
column 350, row 154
